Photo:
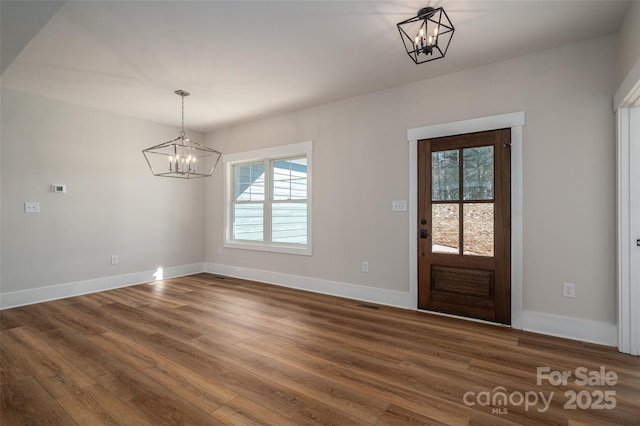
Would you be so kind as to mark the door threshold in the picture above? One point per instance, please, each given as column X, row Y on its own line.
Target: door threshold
column 463, row 318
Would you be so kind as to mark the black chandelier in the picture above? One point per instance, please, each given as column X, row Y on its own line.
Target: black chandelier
column 426, row 36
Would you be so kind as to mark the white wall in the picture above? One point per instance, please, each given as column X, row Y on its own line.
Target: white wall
column 113, row 204
column 629, row 40
column 361, row 159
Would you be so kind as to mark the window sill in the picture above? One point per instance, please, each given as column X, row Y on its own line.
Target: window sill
column 273, row 248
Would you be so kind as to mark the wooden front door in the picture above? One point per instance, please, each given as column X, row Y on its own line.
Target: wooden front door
column 464, row 225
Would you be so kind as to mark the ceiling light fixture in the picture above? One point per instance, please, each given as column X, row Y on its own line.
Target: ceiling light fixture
column 426, row 36
column 181, row 157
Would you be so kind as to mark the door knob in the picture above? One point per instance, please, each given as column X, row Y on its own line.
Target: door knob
column 424, row 233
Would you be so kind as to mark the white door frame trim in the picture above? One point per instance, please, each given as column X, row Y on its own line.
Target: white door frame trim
column 628, row 264
column 626, row 104
column 515, row 121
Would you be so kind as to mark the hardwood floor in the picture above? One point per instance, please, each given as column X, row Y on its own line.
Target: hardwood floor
column 211, row 350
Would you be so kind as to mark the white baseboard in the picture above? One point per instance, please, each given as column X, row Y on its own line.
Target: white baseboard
column 571, row 328
column 553, row 325
column 333, row 288
column 61, row 291
column 537, row 322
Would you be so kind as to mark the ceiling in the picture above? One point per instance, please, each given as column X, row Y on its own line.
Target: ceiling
column 243, row 60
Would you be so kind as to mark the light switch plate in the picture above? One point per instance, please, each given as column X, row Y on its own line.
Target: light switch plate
column 31, row 207
column 399, row 206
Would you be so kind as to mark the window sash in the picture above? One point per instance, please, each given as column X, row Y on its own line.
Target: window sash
column 268, row 201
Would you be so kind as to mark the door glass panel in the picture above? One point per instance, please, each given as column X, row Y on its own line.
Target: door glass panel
column 445, row 220
column 477, row 172
column 477, row 229
column 444, row 175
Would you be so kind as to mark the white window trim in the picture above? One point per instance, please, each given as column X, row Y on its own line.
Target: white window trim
column 229, row 160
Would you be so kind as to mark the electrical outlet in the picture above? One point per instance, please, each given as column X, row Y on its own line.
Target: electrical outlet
column 568, row 290
column 114, row 259
column 365, row 266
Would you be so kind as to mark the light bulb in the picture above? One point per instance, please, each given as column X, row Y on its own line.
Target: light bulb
column 421, row 32
column 417, row 41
